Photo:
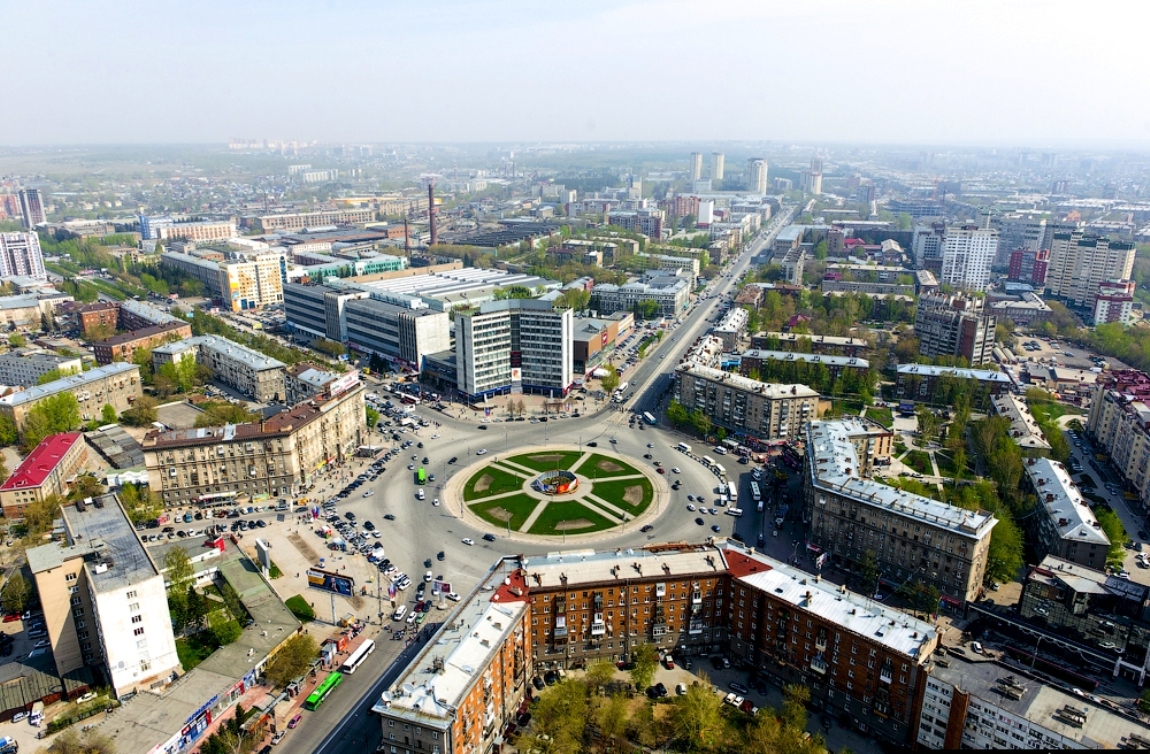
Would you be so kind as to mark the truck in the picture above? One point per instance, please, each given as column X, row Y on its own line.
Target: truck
column 37, row 715
column 8, row 745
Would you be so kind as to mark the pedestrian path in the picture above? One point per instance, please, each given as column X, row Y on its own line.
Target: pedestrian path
column 605, row 508
column 535, row 514
column 518, row 470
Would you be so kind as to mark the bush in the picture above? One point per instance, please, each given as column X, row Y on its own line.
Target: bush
column 300, row 609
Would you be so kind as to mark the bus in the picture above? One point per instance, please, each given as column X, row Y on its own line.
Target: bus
column 756, row 493
column 733, row 493
column 421, row 476
column 357, row 657
column 321, row 691
column 709, row 462
column 647, row 417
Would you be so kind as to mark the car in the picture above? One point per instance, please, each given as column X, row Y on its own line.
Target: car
column 389, row 516
column 716, row 528
column 650, row 445
column 19, row 716
column 440, row 555
column 648, row 456
column 278, row 737
column 481, row 452
column 676, row 470
column 700, row 522
column 681, row 689
column 86, row 697
column 295, row 720
column 691, row 507
column 468, row 541
column 661, row 470
column 592, row 444
column 738, row 688
column 488, row 537
column 647, row 528
column 411, row 467
column 483, row 426
column 537, row 682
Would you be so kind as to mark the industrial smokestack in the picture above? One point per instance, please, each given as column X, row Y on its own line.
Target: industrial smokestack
column 431, row 209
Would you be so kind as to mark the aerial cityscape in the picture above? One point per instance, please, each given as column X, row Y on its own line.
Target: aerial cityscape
column 583, row 419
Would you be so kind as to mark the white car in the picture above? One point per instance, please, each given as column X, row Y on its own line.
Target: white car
column 369, row 493
column 481, row 452
column 468, row 541
column 435, row 501
column 453, row 596
column 86, row 697
column 676, row 470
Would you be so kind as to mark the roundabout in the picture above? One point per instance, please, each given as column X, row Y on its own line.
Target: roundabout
column 555, row 491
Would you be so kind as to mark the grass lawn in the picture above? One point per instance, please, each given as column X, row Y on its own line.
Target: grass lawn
column 946, row 465
column 919, row 461
column 613, row 493
column 194, row 649
column 564, row 461
column 881, row 415
column 520, row 507
column 569, row 511
column 500, row 482
column 300, row 609
column 1049, row 411
column 590, row 467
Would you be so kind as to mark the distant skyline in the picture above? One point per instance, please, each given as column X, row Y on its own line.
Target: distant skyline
column 1029, row 72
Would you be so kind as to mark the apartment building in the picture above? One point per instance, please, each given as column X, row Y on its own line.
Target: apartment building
column 1024, row 429
column 197, row 231
column 207, row 271
column 956, row 326
column 277, row 457
column 303, row 380
column 31, row 208
column 859, row 658
column 1120, row 423
column 25, row 366
column 123, row 347
column 648, row 221
column 1114, row 302
column 46, row 471
column 926, row 246
column 759, row 410
column 732, row 327
column 20, row 255
column 253, row 283
column 909, row 536
column 117, row 385
column 1029, row 266
column 402, row 335
column 820, row 344
column 1064, row 526
column 100, row 314
column 517, row 345
column 667, row 262
column 671, row 293
column 257, row 376
column 769, row 362
column 918, row 382
column 299, row 220
column 1023, row 310
column 1080, row 262
column 757, row 175
column 104, row 600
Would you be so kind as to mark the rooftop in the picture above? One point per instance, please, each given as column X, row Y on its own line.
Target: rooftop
column 664, row 284
column 790, row 337
column 27, row 300
column 71, row 382
column 892, row 628
column 584, row 567
column 41, row 461
column 834, row 465
column 455, row 282
column 814, row 358
column 148, row 312
column 1023, row 427
column 146, row 332
column 312, row 374
column 231, row 349
column 179, row 256
column 738, row 382
column 929, row 370
column 1063, row 502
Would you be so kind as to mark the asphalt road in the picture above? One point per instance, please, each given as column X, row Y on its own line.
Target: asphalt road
column 421, row 529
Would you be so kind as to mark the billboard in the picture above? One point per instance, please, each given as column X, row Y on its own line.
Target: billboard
column 516, row 374
column 344, row 383
column 330, row 582
column 440, row 587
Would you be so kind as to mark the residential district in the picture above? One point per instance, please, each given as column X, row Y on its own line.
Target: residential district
column 831, row 449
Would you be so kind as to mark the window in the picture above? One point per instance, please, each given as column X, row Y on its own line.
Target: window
column 139, row 631
column 134, row 607
column 137, row 618
column 70, row 577
column 145, row 666
column 141, row 644
column 132, row 594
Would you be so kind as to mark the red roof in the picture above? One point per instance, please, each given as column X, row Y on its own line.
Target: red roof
column 740, row 564
column 40, row 462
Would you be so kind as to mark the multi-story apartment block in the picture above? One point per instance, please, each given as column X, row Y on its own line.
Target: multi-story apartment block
column 671, row 293
column 300, row 220
column 134, row 315
column 696, row 166
column 718, row 165
column 277, row 457
column 1114, row 302
column 1080, row 263
column 1029, row 266
column 123, row 347
column 29, row 311
column 253, row 283
column 1027, row 309
column 1064, row 525
column 198, row 231
column 828, row 344
column 319, row 310
column 303, row 380
column 1024, row 429
column 647, row 221
column 46, row 471
column 760, row 410
column 766, row 362
column 403, row 335
column 99, row 314
column 793, row 263
column 955, row 326
column 858, row 657
column 259, row 377
column 1120, row 423
column 911, row 538
column 31, row 208
column 1017, row 232
column 757, row 175
column 927, row 246
column 117, row 385
column 514, row 345
column 205, row 270
column 104, row 600
column 967, row 255
column 20, row 255
column 26, row 366
column 917, row 382
column 732, row 327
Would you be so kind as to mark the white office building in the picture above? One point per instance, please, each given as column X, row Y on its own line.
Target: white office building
column 967, row 254
column 20, row 256
column 514, row 346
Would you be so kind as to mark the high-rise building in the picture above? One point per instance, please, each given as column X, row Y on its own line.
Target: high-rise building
column 514, row 346
column 1029, row 266
column 816, row 176
column 1017, row 232
column 954, row 326
column 696, row 166
column 926, row 246
column 967, row 254
column 253, row 283
column 1081, row 262
column 757, row 175
column 1114, row 302
column 20, row 255
column 31, row 208
column 718, row 160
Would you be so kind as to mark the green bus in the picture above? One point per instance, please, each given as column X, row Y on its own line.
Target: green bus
column 421, row 476
column 321, row 691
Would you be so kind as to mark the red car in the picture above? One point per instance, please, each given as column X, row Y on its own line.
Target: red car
column 295, row 720
column 11, row 618
column 662, row 470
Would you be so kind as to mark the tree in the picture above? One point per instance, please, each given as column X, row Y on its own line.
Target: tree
column 108, row 414
column 645, row 659
column 697, row 719
column 560, row 720
column 599, row 674
column 16, row 340
column 8, row 433
column 140, row 502
column 609, row 381
column 868, row 573
column 52, row 415
column 928, row 424
column 372, row 417
column 142, row 413
column 329, row 347
column 40, row 514
column 612, row 717
column 678, row 415
column 292, row 660
column 224, row 629
column 92, row 741
column 178, row 570
column 218, row 413
column 16, row 593
column 1112, row 526
column 795, row 700
column 821, row 250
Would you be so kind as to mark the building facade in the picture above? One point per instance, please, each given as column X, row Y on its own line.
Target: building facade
column 1081, row 262
column 1064, row 526
column 967, row 255
column 46, row 471
column 32, row 208
column 956, row 326
column 26, row 366
column 117, row 385
column 205, row 270
column 514, row 346
column 257, row 376
column 197, row 231
column 853, row 518
column 123, row 347
column 403, row 335
column 20, row 255
column 1029, row 266
column 758, row 410
column 304, row 380
column 1114, row 302
column 254, row 283
column 1120, row 424
column 757, row 175
column 301, row 220
column 672, row 294
column 918, row 382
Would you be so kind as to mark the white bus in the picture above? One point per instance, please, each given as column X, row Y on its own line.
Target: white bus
column 684, row 447
column 709, row 462
column 357, row 657
column 733, row 493
column 756, row 493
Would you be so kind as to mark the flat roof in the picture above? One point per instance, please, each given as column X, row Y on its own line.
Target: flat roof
column 45, row 457
column 814, row 358
column 834, row 466
column 738, row 382
column 71, row 382
column 27, row 300
column 894, row 629
column 1024, row 428
column 585, row 567
column 791, row 337
column 148, row 312
column 929, row 370
column 231, row 349
column 1063, row 502
column 179, row 256
column 145, row 332
column 455, row 282
column 312, row 374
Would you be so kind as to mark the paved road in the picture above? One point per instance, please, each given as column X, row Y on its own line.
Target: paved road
column 421, row 530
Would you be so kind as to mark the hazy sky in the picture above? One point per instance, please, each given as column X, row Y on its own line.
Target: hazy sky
column 1008, row 71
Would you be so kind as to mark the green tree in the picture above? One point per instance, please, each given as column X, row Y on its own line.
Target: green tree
column 218, row 413
column 697, row 720
column 91, row 741
column 224, row 629
column 561, row 716
column 108, row 414
column 85, row 486
column 645, row 659
column 55, row 414
column 678, row 415
column 8, row 433
column 1112, row 526
column 329, row 347
column 599, row 674
column 612, row 717
column 17, row 592
column 54, row 374
column 868, row 573
column 39, row 515
column 821, row 250
column 292, row 660
column 609, row 381
column 16, row 340
column 142, row 413
column 372, row 417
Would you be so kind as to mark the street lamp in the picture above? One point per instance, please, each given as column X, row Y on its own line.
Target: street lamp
column 1035, row 657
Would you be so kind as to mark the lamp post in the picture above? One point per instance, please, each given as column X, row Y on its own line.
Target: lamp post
column 1034, row 658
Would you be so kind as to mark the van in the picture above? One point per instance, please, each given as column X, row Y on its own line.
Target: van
column 684, row 447
column 37, row 715
column 399, row 613
column 419, row 493
column 734, row 512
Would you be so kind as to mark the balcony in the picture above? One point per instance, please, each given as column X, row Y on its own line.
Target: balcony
column 819, row 665
column 886, row 675
column 598, row 629
column 821, row 643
